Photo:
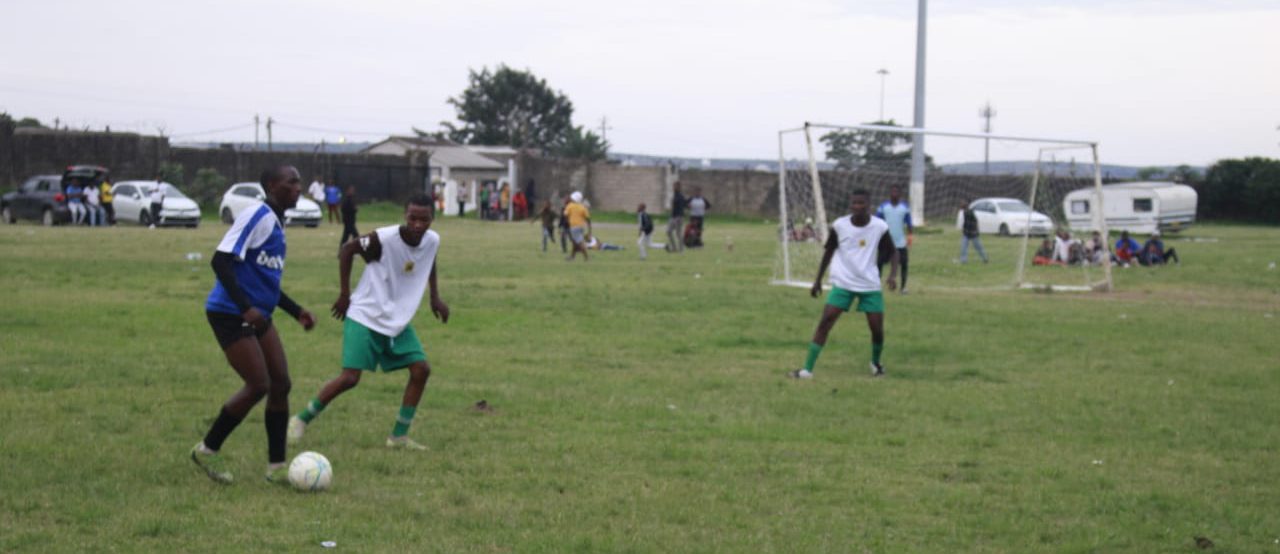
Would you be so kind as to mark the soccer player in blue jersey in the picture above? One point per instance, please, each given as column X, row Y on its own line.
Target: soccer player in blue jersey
column 249, row 263
column 897, row 214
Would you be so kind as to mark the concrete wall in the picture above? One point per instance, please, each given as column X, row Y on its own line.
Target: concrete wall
column 32, row 152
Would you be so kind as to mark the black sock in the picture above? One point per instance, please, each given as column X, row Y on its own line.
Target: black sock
column 276, row 422
column 222, row 428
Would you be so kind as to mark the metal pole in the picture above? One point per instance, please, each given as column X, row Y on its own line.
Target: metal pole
column 1026, row 233
column 255, row 132
column 1102, row 216
column 782, row 204
column 882, row 73
column 820, row 211
column 269, row 123
column 917, row 145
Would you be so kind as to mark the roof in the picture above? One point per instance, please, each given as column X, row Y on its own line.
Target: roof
column 443, row 152
column 1146, row 185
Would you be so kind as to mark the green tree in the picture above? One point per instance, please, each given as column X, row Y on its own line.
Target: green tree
column 1150, row 173
column 1185, row 174
column 1262, row 191
column 510, row 107
column 172, row 173
column 207, row 186
column 1246, row 188
column 876, row 150
column 583, row 145
column 29, row 122
column 6, row 124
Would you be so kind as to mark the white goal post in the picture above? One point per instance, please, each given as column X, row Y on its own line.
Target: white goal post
column 1017, row 192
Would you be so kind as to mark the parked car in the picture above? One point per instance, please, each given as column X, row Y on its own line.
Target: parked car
column 132, row 203
column 1007, row 216
column 243, row 195
column 1134, row 207
column 41, row 197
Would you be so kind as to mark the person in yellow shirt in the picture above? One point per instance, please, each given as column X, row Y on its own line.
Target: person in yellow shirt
column 579, row 225
column 105, row 198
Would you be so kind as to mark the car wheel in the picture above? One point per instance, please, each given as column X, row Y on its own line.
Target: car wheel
column 1004, row 230
column 47, row 217
column 226, row 216
column 7, row 215
column 144, row 218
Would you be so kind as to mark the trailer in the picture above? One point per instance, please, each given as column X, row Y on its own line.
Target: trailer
column 1135, row 207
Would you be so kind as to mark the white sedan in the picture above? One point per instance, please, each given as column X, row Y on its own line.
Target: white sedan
column 1007, row 216
column 131, row 201
column 243, row 195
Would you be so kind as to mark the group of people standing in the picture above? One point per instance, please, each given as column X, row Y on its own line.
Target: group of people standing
column 573, row 220
column 341, row 206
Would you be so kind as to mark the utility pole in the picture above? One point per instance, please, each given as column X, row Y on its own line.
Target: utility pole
column 882, row 73
column 255, row 132
column 604, row 129
column 917, row 145
column 986, row 113
column 269, row 123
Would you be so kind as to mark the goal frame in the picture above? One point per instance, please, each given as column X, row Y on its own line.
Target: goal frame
column 821, row 227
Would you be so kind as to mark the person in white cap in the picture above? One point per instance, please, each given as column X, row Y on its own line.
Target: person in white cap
column 579, row 224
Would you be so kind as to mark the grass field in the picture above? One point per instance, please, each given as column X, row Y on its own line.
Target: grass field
column 641, row 406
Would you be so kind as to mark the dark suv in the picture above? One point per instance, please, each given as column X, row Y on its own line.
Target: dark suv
column 42, row 197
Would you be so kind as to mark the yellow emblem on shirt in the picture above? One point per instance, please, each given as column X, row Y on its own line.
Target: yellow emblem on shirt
column 408, row 266
column 862, row 243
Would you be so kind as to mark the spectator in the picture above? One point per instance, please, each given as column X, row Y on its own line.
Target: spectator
column 495, row 202
column 332, row 196
column 520, row 205
column 107, row 199
column 1095, row 249
column 1127, row 250
column 93, row 205
column 1153, row 252
column 1063, row 247
column 1044, row 254
column 646, row 231
column 675, row 225
column 579, row 225
column 969, row 234
column 437, row 193
column 698, row 207
column 464, row 195
column 564, row 227
column 349, row 210
column 504, row 202
column 530, row 198
column 157, row 201
column 548, row 217
column 593, row 244
column 897, row 214
column 484, row 201
column 316, row 190
column 75, row 202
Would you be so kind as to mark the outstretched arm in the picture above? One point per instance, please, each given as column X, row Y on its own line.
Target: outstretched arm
column 832, row 243
column 438, row 307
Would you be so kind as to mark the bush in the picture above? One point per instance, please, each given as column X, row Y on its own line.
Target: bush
column 172, row 173
column 1247, row 189
column 207, row 187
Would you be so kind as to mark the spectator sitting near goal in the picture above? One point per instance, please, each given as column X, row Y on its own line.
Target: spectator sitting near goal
column 1044, row 254
column 1095, row 250
column 1066, row 250
column 1127, row 249
column 1153, row 252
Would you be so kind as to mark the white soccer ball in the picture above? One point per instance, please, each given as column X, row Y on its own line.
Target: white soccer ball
column 310, row 471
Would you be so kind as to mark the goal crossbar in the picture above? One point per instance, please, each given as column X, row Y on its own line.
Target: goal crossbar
column 923, row 131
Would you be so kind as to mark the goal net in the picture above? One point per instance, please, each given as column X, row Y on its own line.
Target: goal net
column 1014, row 185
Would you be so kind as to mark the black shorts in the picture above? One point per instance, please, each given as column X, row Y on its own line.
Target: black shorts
column 228, row 328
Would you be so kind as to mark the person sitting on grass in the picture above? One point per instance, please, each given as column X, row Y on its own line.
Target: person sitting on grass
column 1127, row 250
column 1095, row 249
column 593, row 244
column 1153, row 252
column 400, row 265
column 1044, row 254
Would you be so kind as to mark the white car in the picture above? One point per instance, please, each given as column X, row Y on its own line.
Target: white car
column 131, row 201
column 243, row 195
column 1006, row 216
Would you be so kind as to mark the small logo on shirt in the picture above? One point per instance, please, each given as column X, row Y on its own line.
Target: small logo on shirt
column 862, row 243
column 408, row 266
column 270, row 262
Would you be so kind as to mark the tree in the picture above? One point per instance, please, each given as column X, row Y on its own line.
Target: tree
column 583, row 145
column 172, row 173
column 1246, row 188
column 207, row 186
column 510, row 107
column 1185, row 174
column 876, row 150
column 29, row 122
column 1149, row 173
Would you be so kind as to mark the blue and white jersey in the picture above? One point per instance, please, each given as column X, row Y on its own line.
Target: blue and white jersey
column 899, row 218
column 256, row 239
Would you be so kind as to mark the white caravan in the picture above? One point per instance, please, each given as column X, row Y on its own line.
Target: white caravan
column 1135, row 207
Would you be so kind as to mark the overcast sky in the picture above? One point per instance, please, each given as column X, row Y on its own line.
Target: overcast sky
column 1156, row 82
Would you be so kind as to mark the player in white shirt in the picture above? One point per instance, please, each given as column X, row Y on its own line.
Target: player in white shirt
column 399, row 268
column 316, row 190
column 853, row 244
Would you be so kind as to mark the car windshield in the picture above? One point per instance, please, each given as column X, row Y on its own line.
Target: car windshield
column 1013, row 206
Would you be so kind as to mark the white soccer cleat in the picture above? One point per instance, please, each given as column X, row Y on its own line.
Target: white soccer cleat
column 800, row 374
column 296, row 429
column 404, row 443
column 877, row 370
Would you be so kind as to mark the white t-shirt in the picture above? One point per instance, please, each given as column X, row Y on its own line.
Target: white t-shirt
column 91, row 196
column 157, row 194
column 316, row 190
column 391, row 288
column 853, row 266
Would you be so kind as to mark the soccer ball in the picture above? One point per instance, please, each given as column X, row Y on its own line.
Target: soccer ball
column 310, row 471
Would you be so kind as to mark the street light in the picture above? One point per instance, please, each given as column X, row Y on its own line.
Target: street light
column 882, row 73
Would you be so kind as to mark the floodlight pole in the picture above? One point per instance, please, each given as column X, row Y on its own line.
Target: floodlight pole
column 882, row 73
column 917, row 145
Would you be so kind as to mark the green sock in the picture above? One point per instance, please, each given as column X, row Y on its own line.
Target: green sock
column 403, row 421
column 312, row 410
column 814, row 350
column 876, row 347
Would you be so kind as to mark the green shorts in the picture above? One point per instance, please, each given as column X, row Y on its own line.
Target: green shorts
column 870, row 302
column 366, row 349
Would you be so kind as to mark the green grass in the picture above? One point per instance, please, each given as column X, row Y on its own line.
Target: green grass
column 640, row 406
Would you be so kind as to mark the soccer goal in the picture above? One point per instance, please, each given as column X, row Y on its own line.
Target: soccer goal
column 1015, row 185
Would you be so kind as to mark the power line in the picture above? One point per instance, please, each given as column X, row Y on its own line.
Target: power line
column 212, row 131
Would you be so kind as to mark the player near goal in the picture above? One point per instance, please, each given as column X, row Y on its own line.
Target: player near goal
column 399, row 268
column 853, row 244
column 249, row 263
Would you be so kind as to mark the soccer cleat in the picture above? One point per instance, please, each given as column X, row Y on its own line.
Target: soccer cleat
column 404, row 443
column 877, row 370
column 212, row 464
column 800, row 374
column 278, row 475
column 296, row 428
